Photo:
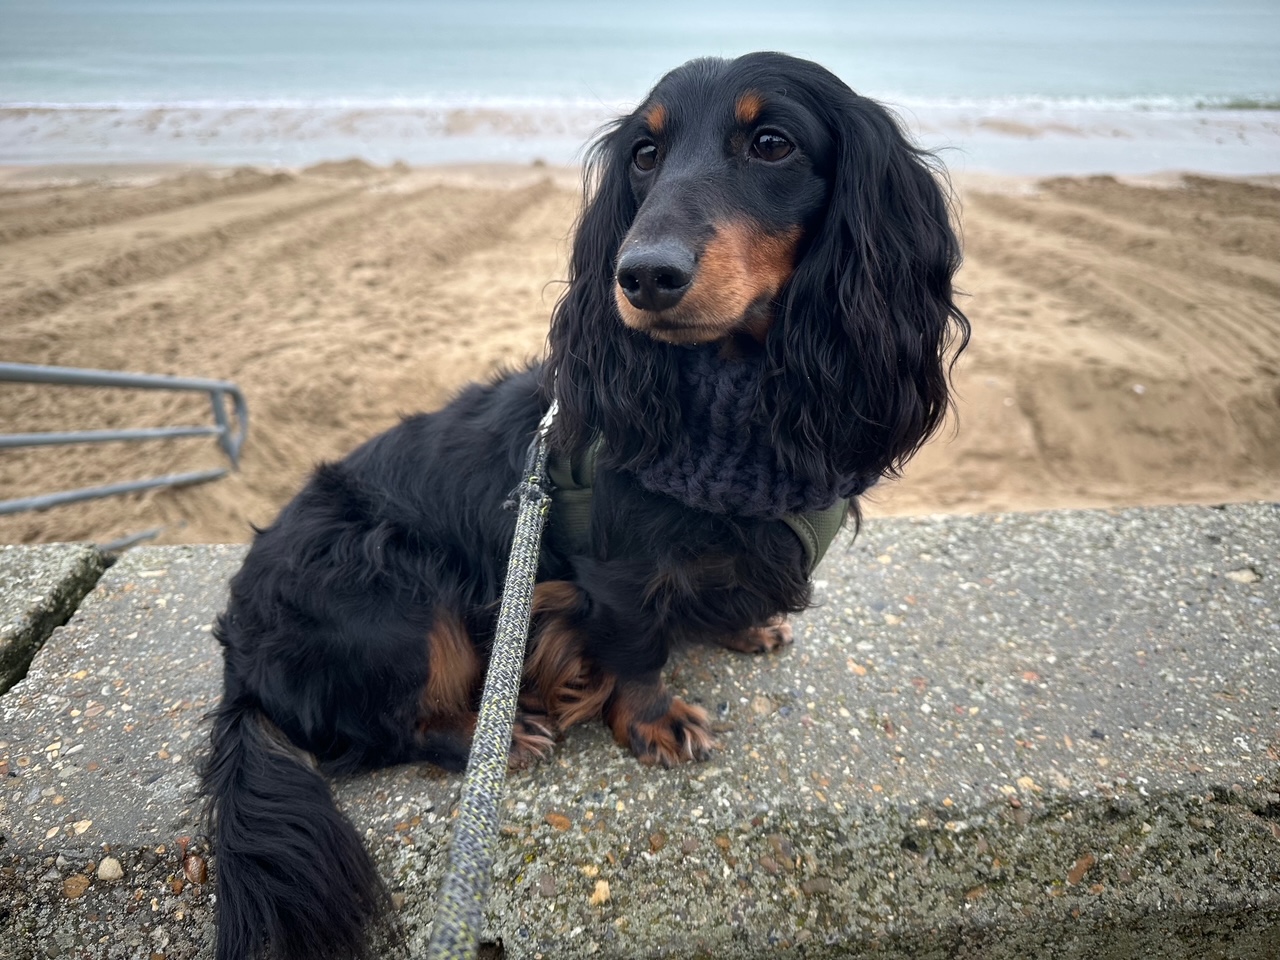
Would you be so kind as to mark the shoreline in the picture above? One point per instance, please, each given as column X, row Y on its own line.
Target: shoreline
column 1011, row 137
column 132, row 173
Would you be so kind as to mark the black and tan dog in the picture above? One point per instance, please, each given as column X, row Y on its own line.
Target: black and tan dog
column 757, row 327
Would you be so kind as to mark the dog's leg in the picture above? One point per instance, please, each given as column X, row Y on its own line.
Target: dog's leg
column 576, row 684
column 656, row 726
column 773, row 634
column 447, row 707
column 562, row 686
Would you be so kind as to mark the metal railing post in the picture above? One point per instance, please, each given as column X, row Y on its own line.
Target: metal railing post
column 230, row 438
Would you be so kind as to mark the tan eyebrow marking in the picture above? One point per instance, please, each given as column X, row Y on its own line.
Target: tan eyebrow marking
column 655, row 117
column 748, row 107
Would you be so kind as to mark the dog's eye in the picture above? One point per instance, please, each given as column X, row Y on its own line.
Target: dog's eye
column 771, row 147
column 645, row 155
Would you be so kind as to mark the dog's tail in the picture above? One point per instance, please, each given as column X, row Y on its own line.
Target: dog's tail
column 294, row 880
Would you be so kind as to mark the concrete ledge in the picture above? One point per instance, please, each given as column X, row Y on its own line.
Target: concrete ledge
column 40, row 587
column 1051, row 735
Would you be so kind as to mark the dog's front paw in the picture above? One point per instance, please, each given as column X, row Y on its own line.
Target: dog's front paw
column 531, row 740
column 668, row 732
column 773, row 634
column 683, row 733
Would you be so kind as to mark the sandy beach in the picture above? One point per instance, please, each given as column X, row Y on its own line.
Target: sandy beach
column 1126, row 345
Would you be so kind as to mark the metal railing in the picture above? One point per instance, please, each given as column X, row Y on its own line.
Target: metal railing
column 229, row 439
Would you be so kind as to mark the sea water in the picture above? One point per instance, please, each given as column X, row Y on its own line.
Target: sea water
column 1022, row 87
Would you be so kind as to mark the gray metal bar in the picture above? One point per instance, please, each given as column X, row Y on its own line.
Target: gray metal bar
column 93, row 493
column 231, row 440
column 10, row 440
column 125, row 542
column 76, row 377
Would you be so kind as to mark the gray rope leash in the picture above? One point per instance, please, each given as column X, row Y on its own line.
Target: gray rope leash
column 455, row 932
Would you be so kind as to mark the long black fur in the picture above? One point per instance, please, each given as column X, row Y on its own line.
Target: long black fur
column 325, row 634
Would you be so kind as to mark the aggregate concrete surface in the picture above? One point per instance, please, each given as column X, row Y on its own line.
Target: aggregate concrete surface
column 40, row 587
column 1043, row 735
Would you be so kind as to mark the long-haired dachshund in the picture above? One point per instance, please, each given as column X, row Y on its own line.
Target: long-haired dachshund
column 758, row 325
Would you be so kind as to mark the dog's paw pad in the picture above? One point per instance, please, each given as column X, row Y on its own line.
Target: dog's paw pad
column 680, row 735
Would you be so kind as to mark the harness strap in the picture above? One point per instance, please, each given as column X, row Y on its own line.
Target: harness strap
column 574, row 477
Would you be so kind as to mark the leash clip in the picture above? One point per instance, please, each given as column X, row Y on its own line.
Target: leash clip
column 535, row 487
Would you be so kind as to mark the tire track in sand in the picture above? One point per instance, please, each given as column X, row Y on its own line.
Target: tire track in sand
column 1124, row 349
column 332, row 330
column 1182, row 249
column 1215, row 326
column 26, row 213
column 117, row 260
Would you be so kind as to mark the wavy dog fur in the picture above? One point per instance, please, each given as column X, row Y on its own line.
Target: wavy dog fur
column 754, row 208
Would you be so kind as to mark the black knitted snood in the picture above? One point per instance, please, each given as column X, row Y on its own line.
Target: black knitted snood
column 723, row 461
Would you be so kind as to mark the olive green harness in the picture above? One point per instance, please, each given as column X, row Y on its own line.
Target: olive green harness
column 574, row 477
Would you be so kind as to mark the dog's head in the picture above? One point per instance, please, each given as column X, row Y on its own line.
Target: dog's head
column 761, row 204
column 728, row 171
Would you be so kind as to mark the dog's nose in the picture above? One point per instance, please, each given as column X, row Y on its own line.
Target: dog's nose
column 655, row 276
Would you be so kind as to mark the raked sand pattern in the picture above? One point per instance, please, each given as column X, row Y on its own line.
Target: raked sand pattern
column 1126, row 342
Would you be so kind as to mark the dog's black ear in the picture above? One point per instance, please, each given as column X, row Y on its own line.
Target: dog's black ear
column 861, row 352
column 603, row 372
